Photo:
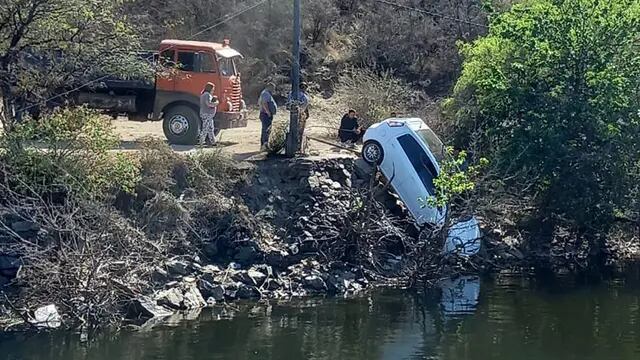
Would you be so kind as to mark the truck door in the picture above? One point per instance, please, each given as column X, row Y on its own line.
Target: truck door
column 195, row 69
column 165, row 80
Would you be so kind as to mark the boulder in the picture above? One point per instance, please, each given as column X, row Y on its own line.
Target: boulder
column 47, row 317
column 273, row 284
column 256, row 276
column 314, row 282
column 192, row 298
column 9, row 266
column 159, row 276
column 246, row 255
column 247, row 292
column 171, row 298
column 231, row 289
column 178, row 268
column 144, row 307
column 217, row 292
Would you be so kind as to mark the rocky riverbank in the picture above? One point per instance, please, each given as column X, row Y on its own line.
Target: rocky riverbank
column 206, row 231
column 275, row 229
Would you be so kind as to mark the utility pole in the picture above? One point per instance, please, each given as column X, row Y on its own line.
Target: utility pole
column 292, row 136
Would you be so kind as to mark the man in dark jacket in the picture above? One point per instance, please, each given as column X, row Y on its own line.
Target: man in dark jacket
column 350, row 131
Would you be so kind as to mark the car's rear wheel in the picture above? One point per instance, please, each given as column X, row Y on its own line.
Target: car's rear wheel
column 372, row 152
column 181, row 125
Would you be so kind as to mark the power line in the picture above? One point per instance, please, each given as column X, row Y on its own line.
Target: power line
column 430, row 13
column 224, row 20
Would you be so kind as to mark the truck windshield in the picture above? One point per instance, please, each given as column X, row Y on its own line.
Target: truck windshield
column 227, row 66
column 433, row 142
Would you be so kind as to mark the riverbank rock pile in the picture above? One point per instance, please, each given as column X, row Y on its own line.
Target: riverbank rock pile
column 288, row 232
column 190, row 238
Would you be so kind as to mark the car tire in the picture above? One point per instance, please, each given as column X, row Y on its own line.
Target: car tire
column 372, row 152
column 181, row 125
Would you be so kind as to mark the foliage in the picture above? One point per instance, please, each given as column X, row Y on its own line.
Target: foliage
column 76, row 157
column 421, row 48
column 455, row 179
column 375, row 96
column 47, row 45
column 551, row 96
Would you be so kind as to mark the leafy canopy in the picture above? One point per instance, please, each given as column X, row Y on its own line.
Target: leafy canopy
column 551, row 95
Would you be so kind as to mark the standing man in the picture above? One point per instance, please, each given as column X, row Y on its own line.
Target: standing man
column 350, row 131
column 208, row 109
column 268, row 109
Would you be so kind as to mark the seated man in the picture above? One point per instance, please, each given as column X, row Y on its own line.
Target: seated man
column 350, row 131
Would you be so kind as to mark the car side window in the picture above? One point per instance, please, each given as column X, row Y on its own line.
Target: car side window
column 186, row 61
column 420, row 160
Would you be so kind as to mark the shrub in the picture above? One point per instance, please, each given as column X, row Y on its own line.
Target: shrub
column 374, row 96
column 72, row 151
column 550, row 94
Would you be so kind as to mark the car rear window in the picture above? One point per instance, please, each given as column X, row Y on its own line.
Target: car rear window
column 420, row 161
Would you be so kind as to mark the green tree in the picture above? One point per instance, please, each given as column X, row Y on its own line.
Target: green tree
column 551, row 94
column 49, row 45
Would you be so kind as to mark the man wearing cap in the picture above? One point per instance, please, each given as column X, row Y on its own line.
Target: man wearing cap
column 208, row 107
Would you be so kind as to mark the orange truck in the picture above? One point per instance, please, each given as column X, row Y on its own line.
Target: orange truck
column 173, row 95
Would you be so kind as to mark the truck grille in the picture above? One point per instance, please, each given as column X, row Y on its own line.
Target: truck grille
column 236, row 95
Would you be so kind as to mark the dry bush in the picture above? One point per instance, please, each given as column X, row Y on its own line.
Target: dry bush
column 374, row 96
column 278, row 136
column 80, row 255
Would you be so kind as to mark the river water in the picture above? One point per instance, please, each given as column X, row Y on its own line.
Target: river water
column 505, row 318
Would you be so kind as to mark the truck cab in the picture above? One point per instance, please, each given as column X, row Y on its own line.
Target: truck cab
column 186, row 67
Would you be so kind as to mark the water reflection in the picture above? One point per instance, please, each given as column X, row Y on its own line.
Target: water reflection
column 512, row 318
column 460, row 295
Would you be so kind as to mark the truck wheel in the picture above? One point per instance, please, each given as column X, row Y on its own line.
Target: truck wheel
column 181, row 125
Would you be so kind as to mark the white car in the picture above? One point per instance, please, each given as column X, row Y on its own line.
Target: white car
column 408, row 153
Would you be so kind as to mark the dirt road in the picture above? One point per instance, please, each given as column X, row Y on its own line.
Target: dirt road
column 241, row 143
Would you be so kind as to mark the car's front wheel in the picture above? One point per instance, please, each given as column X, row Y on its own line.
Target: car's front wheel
column 372, row 152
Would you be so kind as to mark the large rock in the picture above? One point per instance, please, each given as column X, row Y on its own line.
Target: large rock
column 192, row 298
column 251, row 277
column 314, row 282
column 178, row 267
column 47, row 317
column 231, row 289
column 144, row 308
column 9, row 266
column 247, row 292
column 171, row 298
column 247, row 255
column 160, row 276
